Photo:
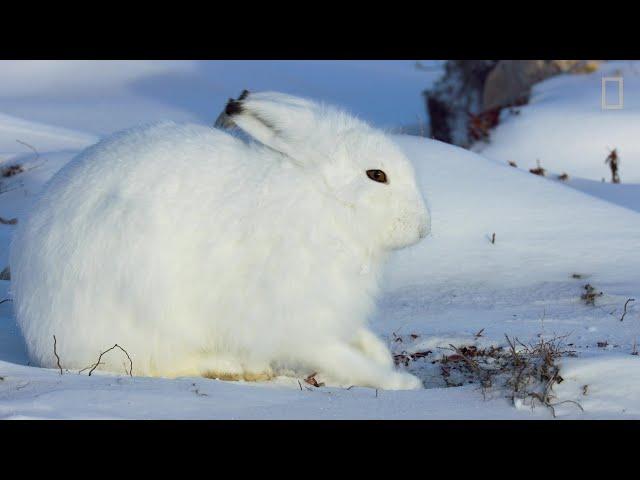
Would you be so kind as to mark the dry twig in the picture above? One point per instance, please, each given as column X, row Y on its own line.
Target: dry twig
column 625, row 307
column 31, row 147
column 613, row 160
column 55, row 352
column 106, row 351
column 311, row 380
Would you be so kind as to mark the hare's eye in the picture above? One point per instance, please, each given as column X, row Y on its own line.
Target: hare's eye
column 377, row 176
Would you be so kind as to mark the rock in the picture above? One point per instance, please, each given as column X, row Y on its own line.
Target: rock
column 454, row 97
column 510, row 82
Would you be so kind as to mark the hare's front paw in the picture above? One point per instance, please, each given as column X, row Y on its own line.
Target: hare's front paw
column 374, row 348
column 402, row 381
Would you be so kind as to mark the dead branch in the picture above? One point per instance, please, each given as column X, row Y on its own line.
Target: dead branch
column 472, row 364
column 613, row 160
column 106, row 351
column 31, row 147
column 625, row 307
column 551, row 406
column 55, row 352
column 512, row 347
column 87, row 368
column 568, row 401
column 15, row 169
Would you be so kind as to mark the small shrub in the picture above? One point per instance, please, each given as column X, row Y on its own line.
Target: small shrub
column 590, row 294
column 538, row 170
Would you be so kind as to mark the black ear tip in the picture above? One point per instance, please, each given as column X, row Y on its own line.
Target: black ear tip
column 233, row 107
column 245, row 93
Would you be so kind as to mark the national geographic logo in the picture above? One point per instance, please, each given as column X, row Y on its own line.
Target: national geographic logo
column 612, row 89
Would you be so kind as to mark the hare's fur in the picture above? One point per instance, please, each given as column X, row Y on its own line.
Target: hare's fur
column 204, row 254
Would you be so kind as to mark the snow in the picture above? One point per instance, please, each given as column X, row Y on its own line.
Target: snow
column 456, row 287
column 624, row 194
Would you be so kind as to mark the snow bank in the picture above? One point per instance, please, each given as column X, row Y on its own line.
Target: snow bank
column 42, row 137
column 601, row 384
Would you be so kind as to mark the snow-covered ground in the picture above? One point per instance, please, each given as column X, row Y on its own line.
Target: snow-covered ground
column 455, row 288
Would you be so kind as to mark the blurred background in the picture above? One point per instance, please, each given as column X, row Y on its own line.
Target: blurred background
column 101, row 96
column 536, row 114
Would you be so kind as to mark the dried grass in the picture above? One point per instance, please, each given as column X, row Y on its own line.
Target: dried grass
column 525, row 372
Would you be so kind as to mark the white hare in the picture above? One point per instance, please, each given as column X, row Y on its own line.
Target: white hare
column 201, row 253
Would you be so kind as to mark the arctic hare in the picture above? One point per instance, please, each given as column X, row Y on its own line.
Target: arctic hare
column 201, row 253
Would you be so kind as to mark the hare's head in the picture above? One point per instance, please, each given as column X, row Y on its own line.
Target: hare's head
column 359, row 166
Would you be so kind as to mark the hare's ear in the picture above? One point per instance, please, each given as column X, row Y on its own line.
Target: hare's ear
column 279, row 121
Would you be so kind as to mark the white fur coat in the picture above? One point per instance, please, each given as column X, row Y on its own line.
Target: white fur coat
column 203, row 254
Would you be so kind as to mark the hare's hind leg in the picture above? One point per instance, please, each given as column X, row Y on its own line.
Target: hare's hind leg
column 224, row 367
